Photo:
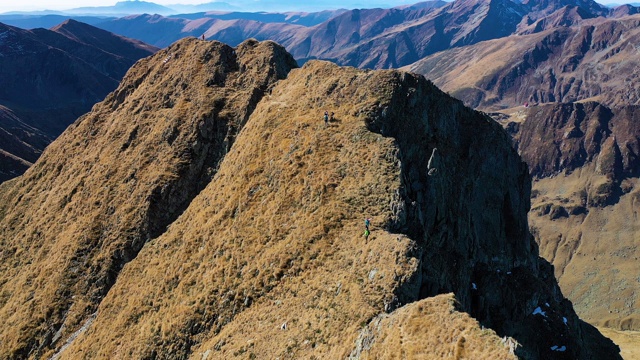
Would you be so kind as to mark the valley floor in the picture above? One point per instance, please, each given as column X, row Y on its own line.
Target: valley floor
column 629, row 342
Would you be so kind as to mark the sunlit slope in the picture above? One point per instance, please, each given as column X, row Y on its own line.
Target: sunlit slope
column 115, row 179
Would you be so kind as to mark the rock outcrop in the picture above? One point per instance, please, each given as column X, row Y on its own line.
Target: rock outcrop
column 196, row 245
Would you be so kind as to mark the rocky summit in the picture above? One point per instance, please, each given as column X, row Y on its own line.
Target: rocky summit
column 206, row 210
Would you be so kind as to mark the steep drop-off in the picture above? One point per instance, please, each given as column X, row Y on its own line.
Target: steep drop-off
column 586, row 199
column 268, row 259
column 116, row 178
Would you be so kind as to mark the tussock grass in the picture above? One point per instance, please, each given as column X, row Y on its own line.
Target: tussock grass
column 629, row 342
column 115, row 179
column 433, row 329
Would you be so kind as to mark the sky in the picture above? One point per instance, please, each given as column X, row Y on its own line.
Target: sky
column 31, row 5
column 9, row 5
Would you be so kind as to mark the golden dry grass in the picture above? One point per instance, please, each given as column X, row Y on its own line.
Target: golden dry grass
column 432, row 329
column 280, row 224
column 114, row 180
column 269, row 260
column 629, row 342
column 595, row 255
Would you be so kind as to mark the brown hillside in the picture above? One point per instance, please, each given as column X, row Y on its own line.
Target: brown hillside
column 595, row 60
column 269, row 259
column 115, row 179
column 195, row 245
column 585, row 204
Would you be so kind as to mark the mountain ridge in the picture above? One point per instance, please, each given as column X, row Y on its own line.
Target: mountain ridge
column 185, row 236
column 53, row 76
column 554, row 65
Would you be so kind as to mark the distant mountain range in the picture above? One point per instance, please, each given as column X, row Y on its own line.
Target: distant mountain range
column 371, row 38
column 122, row 8
column 50, row 78
column 559, row 64
column 525, row 61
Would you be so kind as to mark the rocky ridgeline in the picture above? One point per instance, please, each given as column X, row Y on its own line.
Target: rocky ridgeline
column 205, row 210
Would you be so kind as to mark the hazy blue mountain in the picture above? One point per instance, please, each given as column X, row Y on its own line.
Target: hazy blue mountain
column 210, row 6
column 299, row 18
column 123, row 8
column 28, row 21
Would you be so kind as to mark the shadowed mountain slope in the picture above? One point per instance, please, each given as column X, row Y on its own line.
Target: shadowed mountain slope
column 21, row 144
column 115, row 179
column 586, row 200
column 560, row 65
column 268, row 256
column 50, row 77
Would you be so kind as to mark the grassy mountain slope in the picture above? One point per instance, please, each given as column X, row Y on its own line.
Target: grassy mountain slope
column 160, row 236
column 269, row 259
column 116, row 178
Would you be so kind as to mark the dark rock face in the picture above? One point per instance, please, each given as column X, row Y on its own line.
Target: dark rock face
column 495, row 271
column 564, row 137
column 51, row 77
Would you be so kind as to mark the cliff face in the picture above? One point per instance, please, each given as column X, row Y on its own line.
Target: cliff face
column 584, row 158
column 254, row 247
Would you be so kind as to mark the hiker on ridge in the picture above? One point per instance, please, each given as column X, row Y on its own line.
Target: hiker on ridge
column 326, row 118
